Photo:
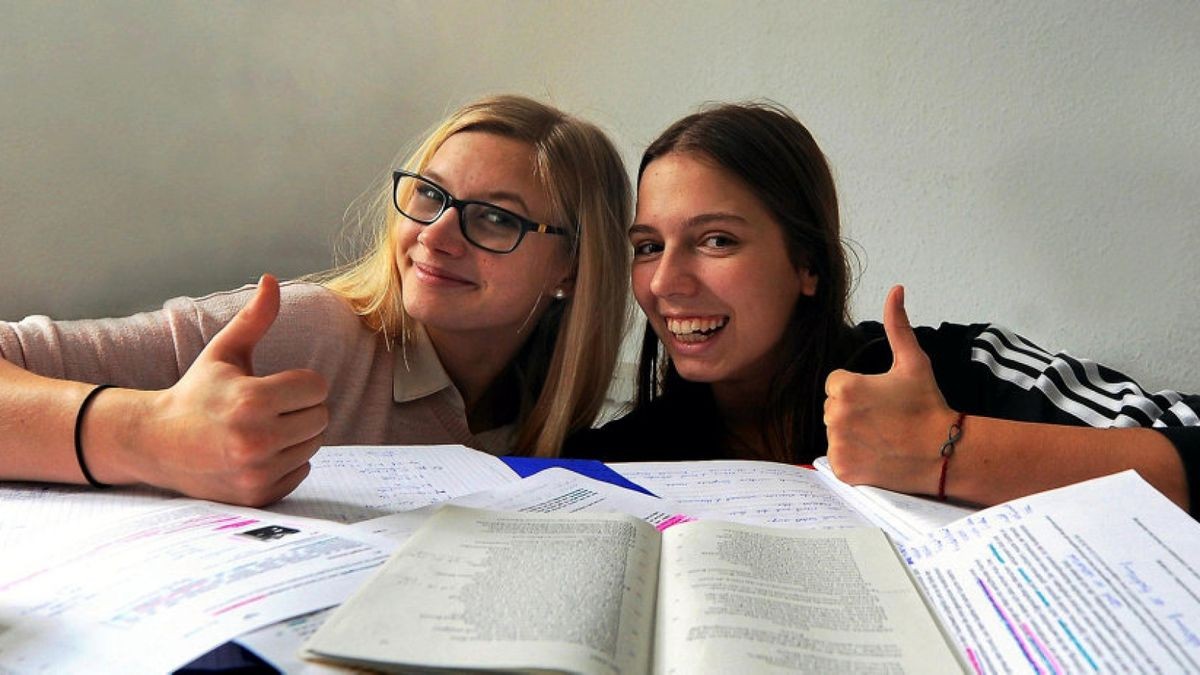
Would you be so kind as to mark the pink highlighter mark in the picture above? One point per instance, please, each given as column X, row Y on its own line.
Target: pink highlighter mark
column 1047, row 657
column 240, row 523
column 674, row 520
column 239, row 604
column 974, row 661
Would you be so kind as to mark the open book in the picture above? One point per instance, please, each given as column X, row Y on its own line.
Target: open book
column 608, row 593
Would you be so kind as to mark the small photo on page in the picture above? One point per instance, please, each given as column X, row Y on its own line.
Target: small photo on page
column 268, row 533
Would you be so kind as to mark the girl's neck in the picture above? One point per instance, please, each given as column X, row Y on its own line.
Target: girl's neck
column 740, row 402
column 747, row 442
column 480, row 369
column 741, row 410
column 497, row 405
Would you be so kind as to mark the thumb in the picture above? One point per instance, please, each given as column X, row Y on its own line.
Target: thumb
column 234, row 344
column 900, row 336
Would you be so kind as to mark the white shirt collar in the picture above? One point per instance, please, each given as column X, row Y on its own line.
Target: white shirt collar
column 417, row 372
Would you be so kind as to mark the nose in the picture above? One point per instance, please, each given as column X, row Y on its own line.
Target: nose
column 443, row 234
column 673, row 275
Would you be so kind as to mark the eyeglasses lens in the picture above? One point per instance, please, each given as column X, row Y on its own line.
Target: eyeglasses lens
column 419, row 200
column 491, row 227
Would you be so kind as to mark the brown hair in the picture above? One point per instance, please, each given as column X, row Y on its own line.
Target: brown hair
column 776, row 156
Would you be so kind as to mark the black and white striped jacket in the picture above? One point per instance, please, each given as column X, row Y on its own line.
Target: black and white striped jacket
column 983, row 369
column 989, row 370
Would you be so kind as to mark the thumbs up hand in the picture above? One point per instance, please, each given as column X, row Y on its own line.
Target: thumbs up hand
column 223, row 433
column 886, row 430
column 234, row 344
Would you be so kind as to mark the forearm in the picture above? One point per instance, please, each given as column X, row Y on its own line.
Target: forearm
column 996, row 460
column 203, row 438
column 219, row 432
column 37, row 424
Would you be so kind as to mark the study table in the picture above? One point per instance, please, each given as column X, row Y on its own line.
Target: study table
column 1083, row 576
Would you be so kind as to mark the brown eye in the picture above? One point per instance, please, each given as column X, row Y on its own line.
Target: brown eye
column 645, row 248
column 718, row 241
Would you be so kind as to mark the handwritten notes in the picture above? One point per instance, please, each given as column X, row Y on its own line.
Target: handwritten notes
column 757, row 493
column 353, row 483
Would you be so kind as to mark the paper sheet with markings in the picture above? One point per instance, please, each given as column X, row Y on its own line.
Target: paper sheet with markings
column 1101, row 576
column 756, row 493
column 151, row 591
column 347, row 484
column 352, row 483
column 30, row 511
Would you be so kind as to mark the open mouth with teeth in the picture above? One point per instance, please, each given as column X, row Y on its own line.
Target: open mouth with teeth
column 696, row 329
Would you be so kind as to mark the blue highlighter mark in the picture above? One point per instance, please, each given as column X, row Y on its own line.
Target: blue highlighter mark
column 1029, row 581
column 996, row 553
column 1052, row 665
column 1078, row 646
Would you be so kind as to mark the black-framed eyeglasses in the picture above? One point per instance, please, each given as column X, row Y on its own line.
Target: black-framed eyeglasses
column 485, row 225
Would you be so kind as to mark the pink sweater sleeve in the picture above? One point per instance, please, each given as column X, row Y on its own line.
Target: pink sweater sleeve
column 152, row 350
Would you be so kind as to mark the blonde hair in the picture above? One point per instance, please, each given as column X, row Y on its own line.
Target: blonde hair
column 565, row 367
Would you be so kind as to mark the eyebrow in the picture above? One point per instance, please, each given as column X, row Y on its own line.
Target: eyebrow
column 697, row 220
column 498, row 195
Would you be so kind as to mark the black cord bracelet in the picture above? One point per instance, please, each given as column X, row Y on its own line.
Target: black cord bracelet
column 87, row 400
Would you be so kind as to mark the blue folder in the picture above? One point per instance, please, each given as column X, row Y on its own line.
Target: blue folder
column 527, row 466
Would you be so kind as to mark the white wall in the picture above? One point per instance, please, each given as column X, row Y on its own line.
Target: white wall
column 1030, row 163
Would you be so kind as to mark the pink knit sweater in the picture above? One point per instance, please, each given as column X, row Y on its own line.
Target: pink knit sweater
column 375, row 397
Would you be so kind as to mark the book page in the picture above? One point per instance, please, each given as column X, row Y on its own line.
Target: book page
column 1099, row 576
column 475, row 589
column 904, row 517
column 740, row 599
column 743, row 491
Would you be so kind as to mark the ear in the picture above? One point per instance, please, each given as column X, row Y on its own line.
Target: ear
column 808, row 282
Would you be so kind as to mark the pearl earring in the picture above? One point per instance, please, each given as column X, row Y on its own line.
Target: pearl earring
column 559, row 294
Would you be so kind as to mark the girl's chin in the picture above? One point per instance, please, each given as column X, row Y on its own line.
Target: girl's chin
column 423, row 312
column 695, row 372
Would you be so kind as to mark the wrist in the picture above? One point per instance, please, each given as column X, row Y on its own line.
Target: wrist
column 110, row 432
column 954, row 434
column 80, row 415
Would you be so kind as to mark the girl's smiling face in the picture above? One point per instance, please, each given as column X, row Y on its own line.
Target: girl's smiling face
column 456, row 288
column 712, row 273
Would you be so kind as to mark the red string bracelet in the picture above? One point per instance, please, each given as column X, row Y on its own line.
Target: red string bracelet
column 952, row 437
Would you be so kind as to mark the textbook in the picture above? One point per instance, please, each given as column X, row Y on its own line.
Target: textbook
column 607, row 593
